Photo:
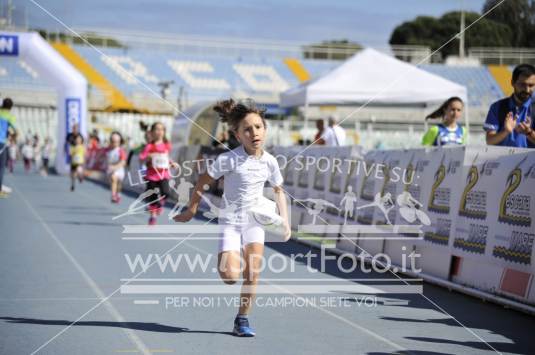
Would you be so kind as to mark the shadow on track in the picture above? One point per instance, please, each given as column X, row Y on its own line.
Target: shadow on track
column 148, row 327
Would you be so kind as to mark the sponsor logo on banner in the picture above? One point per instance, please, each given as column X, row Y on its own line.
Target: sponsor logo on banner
column 437, row 193
column 478, row 202
column 514, row 208
column 514, row 235
column 473, row 205
column 9, row 45
column 476, row 240
column 444, row 180
column 519, row 250
column 73, row 113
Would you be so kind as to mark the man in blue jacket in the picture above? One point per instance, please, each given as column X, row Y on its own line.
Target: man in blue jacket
column 511, row 121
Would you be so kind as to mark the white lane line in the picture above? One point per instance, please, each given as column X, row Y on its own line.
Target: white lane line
column 146, row 302
column 334, row 315
column 350, row 323
column 114, row 292
column 266, row 288
column 111, row 309
column 469, row 330
column 60, row 299
column 343, row 281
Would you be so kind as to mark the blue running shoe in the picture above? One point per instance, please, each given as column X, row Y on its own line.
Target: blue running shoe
column 242, row 328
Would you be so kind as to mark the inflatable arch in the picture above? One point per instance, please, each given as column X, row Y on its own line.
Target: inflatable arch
column 71, row 86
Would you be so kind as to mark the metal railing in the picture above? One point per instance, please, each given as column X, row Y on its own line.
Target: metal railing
column 503, row 56
column 233, row 47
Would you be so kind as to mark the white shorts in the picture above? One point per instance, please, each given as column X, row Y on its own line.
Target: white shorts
column 236, row 236
column 119, row 174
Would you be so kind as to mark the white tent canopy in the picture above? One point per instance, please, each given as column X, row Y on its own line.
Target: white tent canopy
column 370, row 76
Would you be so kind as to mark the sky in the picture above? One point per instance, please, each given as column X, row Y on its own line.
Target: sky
column 368, row 22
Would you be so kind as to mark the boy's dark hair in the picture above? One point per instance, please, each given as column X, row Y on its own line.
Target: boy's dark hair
column 523, row 70
column 234, row 112
column 439, row 113
column 7, row 103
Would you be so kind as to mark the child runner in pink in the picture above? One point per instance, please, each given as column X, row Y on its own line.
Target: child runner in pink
column 156, row 156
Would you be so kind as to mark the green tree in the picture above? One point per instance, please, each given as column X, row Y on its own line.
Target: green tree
column 421, row 31
column 92, row 38
column 518, row 15
column 333, row 49
column 483, row 33
column 433, row 32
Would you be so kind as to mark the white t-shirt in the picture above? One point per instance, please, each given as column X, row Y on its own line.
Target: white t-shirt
column 113, row 155
column 27, row 151
column 46, row 150
column 12, row 152
column 334, row 136
column 37, row 152
column 245, row 175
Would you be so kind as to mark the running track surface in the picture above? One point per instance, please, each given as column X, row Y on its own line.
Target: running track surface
column 61, row 254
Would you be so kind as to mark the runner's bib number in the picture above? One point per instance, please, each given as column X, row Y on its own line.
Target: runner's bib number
column 160, row 161
column 113, row 156
column 77, row 159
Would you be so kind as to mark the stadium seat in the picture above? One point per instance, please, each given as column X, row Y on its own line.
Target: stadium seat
column 482, row 88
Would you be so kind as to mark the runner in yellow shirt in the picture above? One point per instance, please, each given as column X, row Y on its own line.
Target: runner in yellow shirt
column 77, row 152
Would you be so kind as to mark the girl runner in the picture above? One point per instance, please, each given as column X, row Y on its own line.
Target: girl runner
column 47, row 149
column 448, row 132
column 77, row 153
column 116, row 158
column 37, row 153
column 156, row 156
column 246, row 169
column 12, row 151
column 27, row 155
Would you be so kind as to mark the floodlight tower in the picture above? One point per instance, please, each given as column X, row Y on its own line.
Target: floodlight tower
column 165, row 88
column 461, row 32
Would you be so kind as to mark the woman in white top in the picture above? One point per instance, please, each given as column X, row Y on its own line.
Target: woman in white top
column 36, row 153
column 245, row 169
column 46, row 150
column 12, row 153
column 27, row 155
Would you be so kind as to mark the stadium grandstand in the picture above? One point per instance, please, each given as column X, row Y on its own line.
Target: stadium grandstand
column 129, row 73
